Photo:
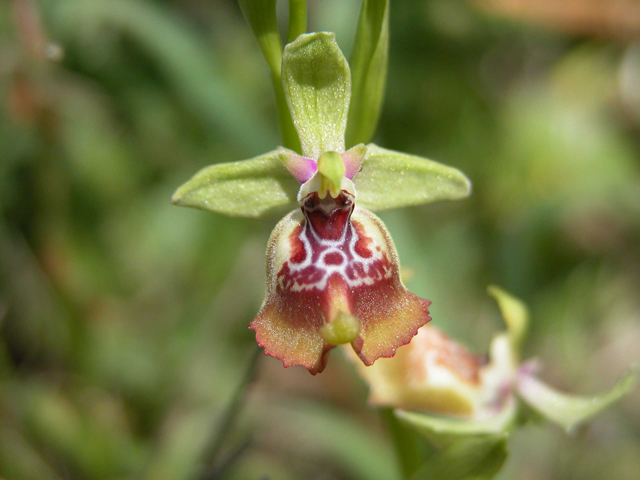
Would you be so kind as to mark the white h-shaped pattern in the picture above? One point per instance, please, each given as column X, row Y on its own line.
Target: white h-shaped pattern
column 333, row 247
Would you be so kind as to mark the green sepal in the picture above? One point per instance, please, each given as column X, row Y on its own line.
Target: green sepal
column 390, row 179
column 571, row 410
column 317, row 86
column 444, row 431
column 258, row 188
column 514, row 312
column 368, row 62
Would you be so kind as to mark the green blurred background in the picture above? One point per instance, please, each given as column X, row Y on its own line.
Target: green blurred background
column 124, row 319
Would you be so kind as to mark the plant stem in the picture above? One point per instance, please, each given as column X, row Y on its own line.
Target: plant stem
column 287, row 130
column 271, row 48
column 218, row 471
column 230, row 415
column 261, row 16
column 297, row 19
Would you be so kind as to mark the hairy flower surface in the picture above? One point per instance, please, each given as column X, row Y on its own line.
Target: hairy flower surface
column 333, row 278
column 332, row 268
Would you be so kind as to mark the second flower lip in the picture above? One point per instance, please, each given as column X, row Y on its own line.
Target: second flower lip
column 443, row 390
column 437, row 374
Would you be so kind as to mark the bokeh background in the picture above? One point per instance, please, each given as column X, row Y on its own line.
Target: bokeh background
column 124, row 319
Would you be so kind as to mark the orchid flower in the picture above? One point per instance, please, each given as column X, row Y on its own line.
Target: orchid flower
column 461, row 401
column 332, row 269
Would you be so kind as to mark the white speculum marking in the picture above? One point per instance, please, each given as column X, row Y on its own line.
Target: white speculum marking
column 362, row 269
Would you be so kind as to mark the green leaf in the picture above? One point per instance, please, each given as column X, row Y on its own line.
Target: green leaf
column 391, row 179
column 258, row 188
column 570, row 410
column 369, row 71
column 444, row 431
column 317, row 85
column 514, row 312
column 479, row 458
column 463, row 449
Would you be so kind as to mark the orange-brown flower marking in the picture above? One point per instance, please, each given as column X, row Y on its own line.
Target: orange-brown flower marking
column 332, row 267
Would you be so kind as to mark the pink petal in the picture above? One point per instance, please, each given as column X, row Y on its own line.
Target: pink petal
column 353, row 159
column 300, row 167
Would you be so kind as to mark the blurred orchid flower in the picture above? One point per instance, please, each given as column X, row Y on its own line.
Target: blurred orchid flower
column 476, row 398
column 332, row 268
column 437, row 374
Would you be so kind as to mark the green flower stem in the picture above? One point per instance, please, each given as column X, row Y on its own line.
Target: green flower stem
column 261, row 16
column 271, row 48
column 297, row 19
column 288, row 132
column 212, row 452
column 408, row 446
column 219, row 470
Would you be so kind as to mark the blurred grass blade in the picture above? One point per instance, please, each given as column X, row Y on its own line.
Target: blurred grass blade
column 342, row 437
column 514, row 312
column 261, row 16
column 180, row 55
column 317, row 83
column 230, row 414
column 390, row 179
column 369, row 71
column 20, row 459
column 570, row 410
column 258, row 188
column 34, row 299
